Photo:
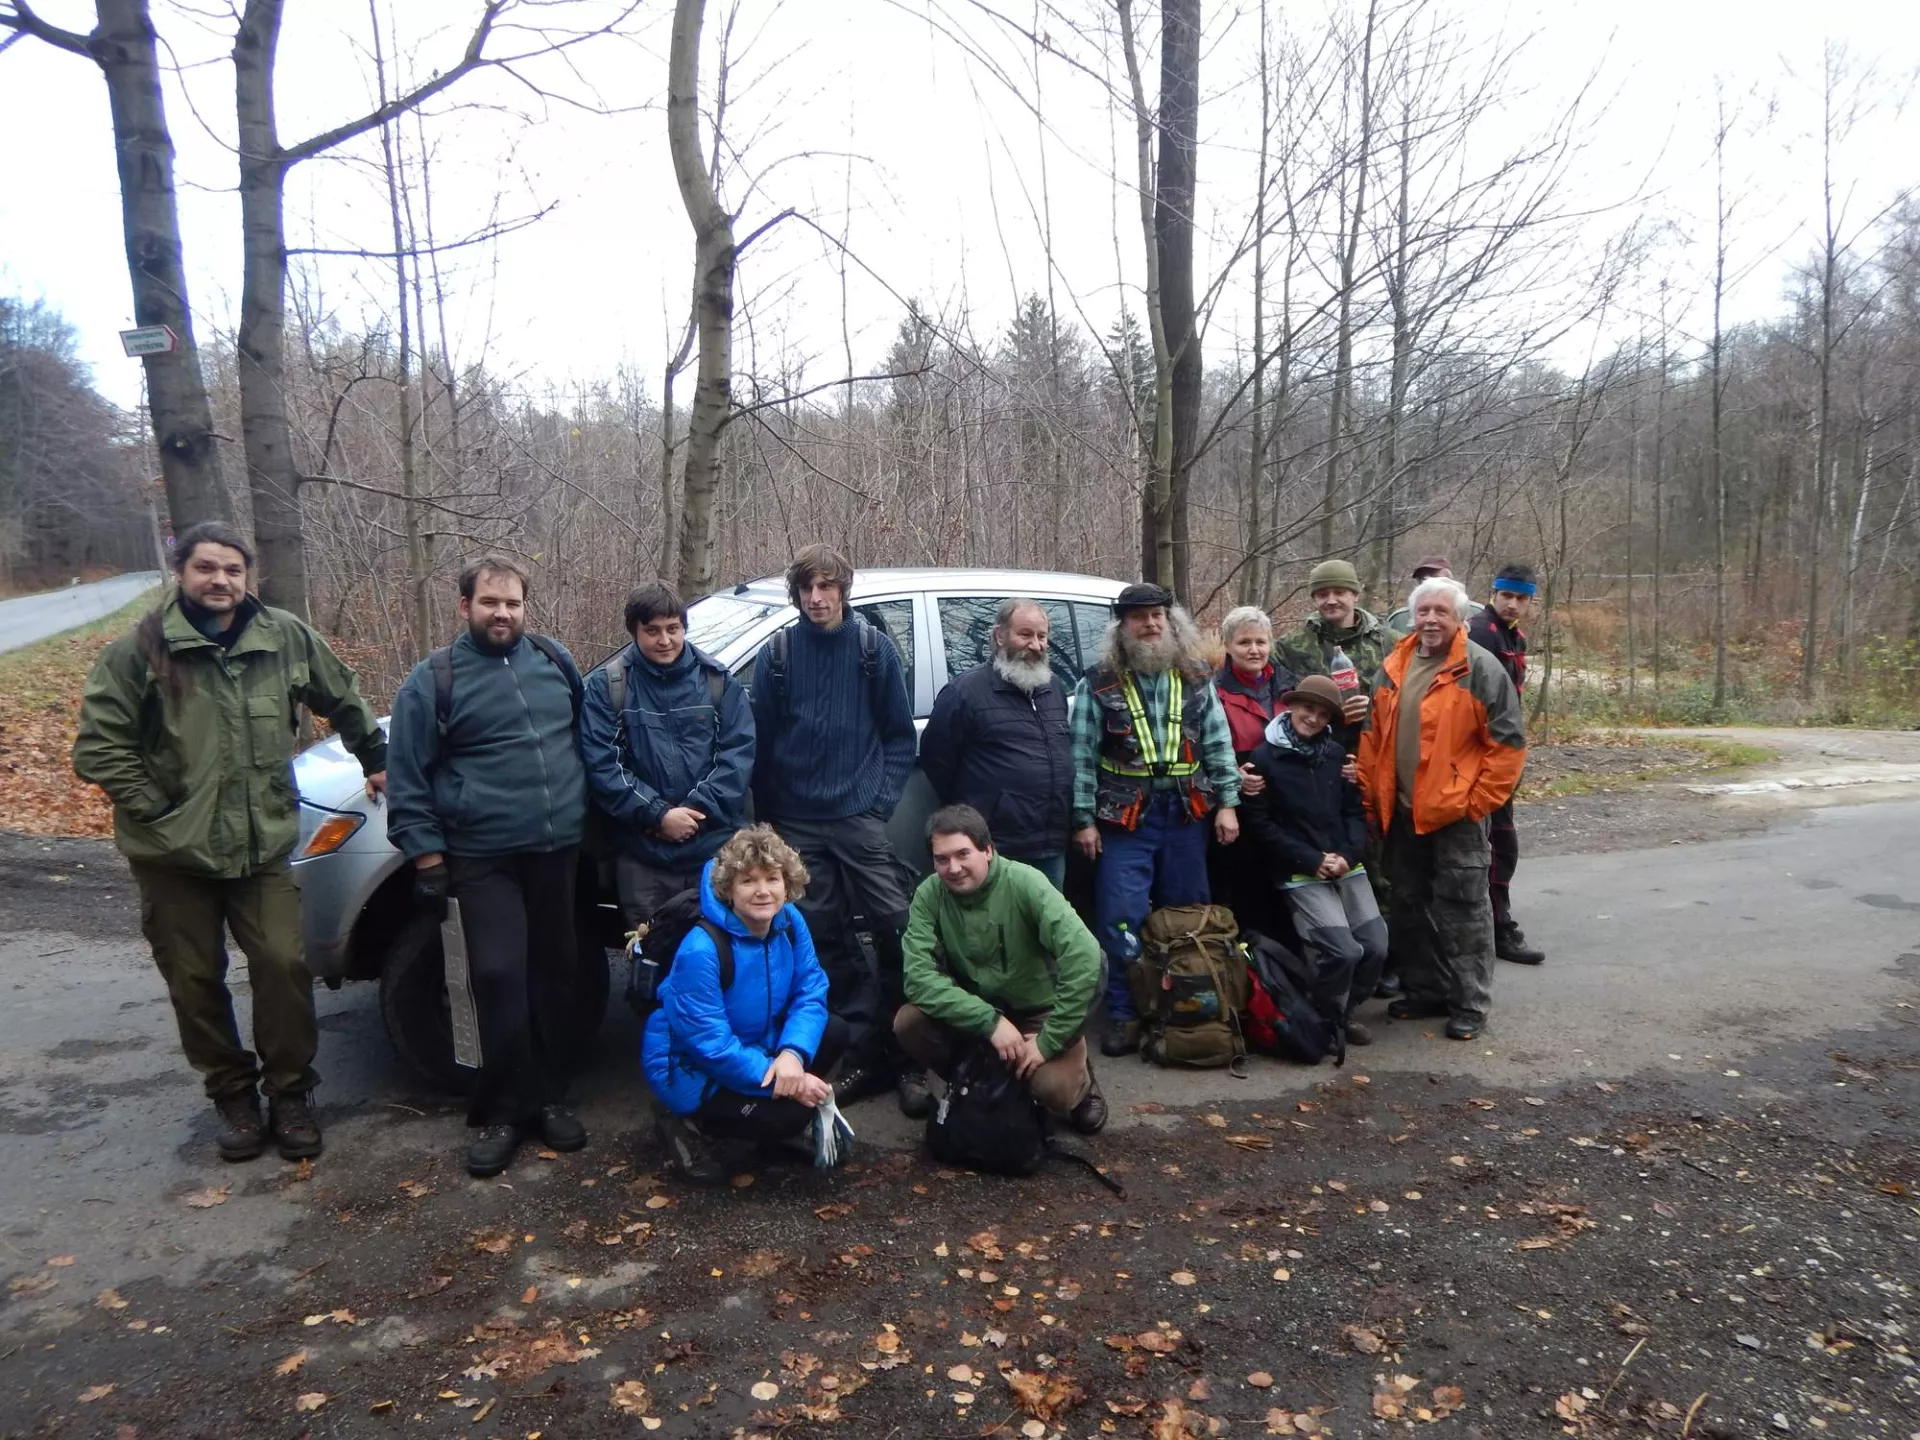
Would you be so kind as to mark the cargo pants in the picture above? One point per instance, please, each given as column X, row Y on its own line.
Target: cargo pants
column 184, row 918
column 1441, row 919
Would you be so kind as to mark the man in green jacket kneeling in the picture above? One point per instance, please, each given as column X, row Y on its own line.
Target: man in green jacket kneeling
column 993, row 952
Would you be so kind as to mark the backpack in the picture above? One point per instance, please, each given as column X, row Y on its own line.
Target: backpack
column 656, row 943
column 616, row 672
column 988, row 1120
column 441, row 662
column 1189, row 986
column 1281, row 1018
column 782, row 643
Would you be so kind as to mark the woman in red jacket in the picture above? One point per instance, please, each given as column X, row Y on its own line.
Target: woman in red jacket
column 1250, row 685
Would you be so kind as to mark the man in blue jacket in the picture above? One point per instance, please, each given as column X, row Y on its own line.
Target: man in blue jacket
column 487, row 797
column 835, row 747
column 666, row 735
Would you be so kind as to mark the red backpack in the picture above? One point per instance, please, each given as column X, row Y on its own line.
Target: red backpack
column 1280, row 1019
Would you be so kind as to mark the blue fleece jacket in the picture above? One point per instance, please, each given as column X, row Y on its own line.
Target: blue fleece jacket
column 668, row 748
column 832, row 743
column 506, row 777
column 702, row 1039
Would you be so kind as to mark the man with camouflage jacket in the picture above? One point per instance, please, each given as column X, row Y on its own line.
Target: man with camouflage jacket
column 188, row 724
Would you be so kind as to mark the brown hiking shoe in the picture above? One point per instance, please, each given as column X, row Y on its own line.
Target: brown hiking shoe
column 1089, row 1117
column 295, row 1131
column 241, row 1135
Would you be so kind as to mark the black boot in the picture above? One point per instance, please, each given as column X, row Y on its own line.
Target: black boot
column 295, row 1131
column 241, row 1136
column 560, row 1129
column 687, row 1150
column 1089, row 1117
column 915, row 1099
column 1122, row 1037
column 492, row 1150
column 1510, row 944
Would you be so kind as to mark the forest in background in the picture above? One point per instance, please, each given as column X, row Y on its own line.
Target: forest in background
column 1728, row 519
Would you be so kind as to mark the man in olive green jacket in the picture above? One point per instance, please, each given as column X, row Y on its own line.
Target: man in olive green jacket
column 188, row 724
column 993, row 952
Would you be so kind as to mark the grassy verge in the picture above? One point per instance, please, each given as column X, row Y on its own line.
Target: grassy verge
column 1704, row 757
column 40, row 687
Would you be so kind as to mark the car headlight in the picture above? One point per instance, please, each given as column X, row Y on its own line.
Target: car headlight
column 332, row 832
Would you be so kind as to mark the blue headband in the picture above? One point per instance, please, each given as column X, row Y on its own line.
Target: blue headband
column 1515, row 587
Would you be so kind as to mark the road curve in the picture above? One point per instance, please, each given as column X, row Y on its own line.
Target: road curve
column 35, row 617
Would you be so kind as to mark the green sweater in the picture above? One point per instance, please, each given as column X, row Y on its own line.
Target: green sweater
column 1014, row 947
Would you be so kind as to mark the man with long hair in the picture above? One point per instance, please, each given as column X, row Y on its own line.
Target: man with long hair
column 1152, row 764
column 188, row 724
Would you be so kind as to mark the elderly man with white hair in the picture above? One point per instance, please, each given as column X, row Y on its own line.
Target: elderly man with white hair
column 1444, row 751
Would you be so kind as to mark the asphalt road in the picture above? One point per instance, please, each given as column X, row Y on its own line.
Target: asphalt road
column 35, row 617
column 1725, row 969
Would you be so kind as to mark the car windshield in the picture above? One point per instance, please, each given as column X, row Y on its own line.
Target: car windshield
column 717, row 622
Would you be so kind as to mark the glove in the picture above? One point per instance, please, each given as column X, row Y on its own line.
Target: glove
column 430, row 890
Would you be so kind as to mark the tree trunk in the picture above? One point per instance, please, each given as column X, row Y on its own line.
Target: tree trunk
column 714, row 257
column 1250, row 590
column 272, row 480
column 1349, row 259
column 1176, row 185
column 124, row 47
column 670, row 442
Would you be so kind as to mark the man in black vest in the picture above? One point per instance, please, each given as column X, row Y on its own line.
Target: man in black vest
column 1497, row 629
column 1152, row 763
column 998, row 741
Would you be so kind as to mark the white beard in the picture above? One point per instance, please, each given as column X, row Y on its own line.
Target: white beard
column 1026, row 676
column 1151, row 657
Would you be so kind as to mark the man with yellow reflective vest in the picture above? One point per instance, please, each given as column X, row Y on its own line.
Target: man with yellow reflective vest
column 1152, row 762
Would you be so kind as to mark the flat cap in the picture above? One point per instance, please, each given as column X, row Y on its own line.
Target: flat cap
column 1141, row 597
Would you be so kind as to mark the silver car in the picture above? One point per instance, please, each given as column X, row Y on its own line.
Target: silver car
column 356, row 893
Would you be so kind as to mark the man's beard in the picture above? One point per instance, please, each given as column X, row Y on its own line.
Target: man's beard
column 1023, row 674
column 1151, row 657
column 483, row 636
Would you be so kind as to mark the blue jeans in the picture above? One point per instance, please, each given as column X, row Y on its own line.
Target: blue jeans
column 1162, row 862
column 1054, row 867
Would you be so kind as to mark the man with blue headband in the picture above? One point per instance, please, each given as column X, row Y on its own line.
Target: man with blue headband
column 1497, row 629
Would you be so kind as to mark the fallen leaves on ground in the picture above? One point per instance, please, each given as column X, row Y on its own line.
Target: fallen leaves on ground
column 291, row 1364
column 764, row 1390
column 206, row 1199
column 1044, row 1397
column 1251, row 1142
column 40, row 716
column 415, row 1189
column 1297, row 1422
column 96, row 1392
column 839, row 1210
column 630, row 1397
column 1367, row 1342
column 109, row 1300
column 312, row 1400
column 493, row 1244
column 433, row 1286
column 1399, row 1400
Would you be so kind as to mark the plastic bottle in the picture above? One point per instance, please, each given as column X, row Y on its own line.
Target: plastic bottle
column 1129, row 947
column 1342, row 672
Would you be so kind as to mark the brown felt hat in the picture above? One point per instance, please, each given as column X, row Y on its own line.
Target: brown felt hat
column 1320, row 690
column 1433, row 564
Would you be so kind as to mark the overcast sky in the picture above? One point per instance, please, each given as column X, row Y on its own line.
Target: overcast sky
column 862, row 115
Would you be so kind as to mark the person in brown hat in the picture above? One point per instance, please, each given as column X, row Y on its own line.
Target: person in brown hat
column 1310, row 826
column 1429, row 567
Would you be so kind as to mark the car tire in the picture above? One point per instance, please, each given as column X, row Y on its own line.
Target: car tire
column 413, row 1002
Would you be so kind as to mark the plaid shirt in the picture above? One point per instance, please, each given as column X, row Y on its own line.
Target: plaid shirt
column 1216, row 743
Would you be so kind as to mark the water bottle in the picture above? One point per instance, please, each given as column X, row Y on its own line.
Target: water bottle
column 1129, row 947
column 1342, row 672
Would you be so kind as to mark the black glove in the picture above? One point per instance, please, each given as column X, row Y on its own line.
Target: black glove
column 430, row 890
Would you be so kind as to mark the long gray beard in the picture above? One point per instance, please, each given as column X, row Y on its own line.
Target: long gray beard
column 1151, row 657
column 1026, row 676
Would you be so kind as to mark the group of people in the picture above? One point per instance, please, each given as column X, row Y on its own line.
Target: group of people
column 1309, row 783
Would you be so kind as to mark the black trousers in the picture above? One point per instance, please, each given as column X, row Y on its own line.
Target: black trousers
column 517, row 911
column 730, row 1115
column 1504, row 838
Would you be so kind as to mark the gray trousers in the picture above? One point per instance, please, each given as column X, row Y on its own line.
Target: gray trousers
column 1441, row 917
column 852, row 871
column 1344, row 938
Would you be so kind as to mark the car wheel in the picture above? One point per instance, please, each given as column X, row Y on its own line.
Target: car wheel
column 413, row 1005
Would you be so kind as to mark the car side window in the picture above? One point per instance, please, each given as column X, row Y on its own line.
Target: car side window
column 966, row 632
column 1091, row 622
column 895, row 617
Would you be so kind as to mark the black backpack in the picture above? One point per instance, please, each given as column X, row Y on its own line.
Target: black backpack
column 782, row 643
column 659, row 942
column 988, row 1120
column 1281, row 1018
column 441, row 663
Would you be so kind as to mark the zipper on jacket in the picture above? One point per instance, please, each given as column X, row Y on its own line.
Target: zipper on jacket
column 546, row 787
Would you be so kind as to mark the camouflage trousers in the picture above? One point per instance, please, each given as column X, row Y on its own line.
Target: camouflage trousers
column 1441, row 919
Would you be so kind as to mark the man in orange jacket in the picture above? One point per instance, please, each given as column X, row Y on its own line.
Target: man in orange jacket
column 1443, row 751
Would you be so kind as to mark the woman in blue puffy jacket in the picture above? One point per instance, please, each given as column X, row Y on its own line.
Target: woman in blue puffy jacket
column 745, row 1061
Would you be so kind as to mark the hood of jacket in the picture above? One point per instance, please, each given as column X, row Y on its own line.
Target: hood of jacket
column 718, row 912
column 1280, row 735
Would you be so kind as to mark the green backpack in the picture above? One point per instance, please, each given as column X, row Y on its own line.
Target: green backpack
column 1190, row 985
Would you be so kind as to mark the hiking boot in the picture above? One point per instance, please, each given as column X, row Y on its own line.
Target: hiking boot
column 1461, row 1028
column 1388, row 986
column 295, row 1131
column 688, row 1151
column 560, row 1130
column 1089, row 1117
column 1358, row 1034
column 241, row 1135
column 1122, row 1037
column 915, row 1099
column 856, row 1082
column 1408, row 1008
column 492, row 1151
column 1510, row 944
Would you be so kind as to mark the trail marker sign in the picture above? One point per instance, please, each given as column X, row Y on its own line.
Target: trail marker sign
column 149, row 340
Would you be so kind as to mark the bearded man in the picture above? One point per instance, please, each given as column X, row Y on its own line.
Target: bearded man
column 998, row 741
column 1152, row 767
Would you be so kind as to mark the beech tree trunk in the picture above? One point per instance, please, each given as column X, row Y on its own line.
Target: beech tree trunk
column 714, row 260
column 1176, row 184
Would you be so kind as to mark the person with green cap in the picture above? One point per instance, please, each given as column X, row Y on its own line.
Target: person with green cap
column 1338, row 626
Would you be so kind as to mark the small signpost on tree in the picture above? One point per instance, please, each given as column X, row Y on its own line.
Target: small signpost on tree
column 149, row 340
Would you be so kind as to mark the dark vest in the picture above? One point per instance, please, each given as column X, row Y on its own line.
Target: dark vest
column 1130, row 765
